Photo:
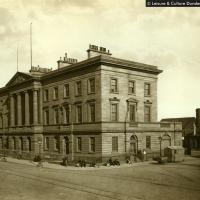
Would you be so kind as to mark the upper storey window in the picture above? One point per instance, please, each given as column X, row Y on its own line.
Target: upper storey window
column 55, row 93
column 113, row 85
column 46, row 95
column 66, row 90
column 131, row 87
column 91, row 85
column 78, row 88
column 147, row 89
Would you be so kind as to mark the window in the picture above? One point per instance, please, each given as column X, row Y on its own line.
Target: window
column 66, row 90
column 56, row 143
column 1, row 143
column 21, row 143
column 79, row 144
column 115, row 144
column 67, row 114
column 79, row 113
column 92, row 144
column 131, row 87
column 92, row 112
column 148, row 142
column 46, row 95
column 113, row 86
column 132, row 113
column 147, row 89
column 55, row 93
column 46, row 117
column 29, row 143
column 114, row 112
column 147, row 113
column 56, row 116
column 78, row 88
column 91, row 88
column 7, row 143
column 46, row 143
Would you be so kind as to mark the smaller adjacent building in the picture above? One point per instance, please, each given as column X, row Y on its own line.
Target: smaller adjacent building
column 191, row 132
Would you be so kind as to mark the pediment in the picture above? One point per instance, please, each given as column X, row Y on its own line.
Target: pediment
column 19, row 77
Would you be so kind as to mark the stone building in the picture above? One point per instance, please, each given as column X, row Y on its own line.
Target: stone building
column 95, row 109
column 191, row 132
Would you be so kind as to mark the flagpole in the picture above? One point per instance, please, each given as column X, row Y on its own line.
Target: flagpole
column 31, row 43
column 17, row 60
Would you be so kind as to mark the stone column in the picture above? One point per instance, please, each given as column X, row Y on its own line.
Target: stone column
column 40, row 108
column 35, row 107
column 19, row 110
column 27, row 111
column 12, row 111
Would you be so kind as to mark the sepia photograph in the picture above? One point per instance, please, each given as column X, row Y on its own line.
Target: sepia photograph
column 99, row 100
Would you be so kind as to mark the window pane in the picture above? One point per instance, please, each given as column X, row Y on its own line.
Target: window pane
column 147, row 89
column 148, row 142
column 113, row 112
column 78, row 88
column 79, row 144
column 66, row 90
column 79, row 113
column 147, row 114
column 131, row 88
column 92, row 85
column 55, row 93
column 92, row 112
column 132, row 113
column 113, row 85
column 92, row 144
column 115, row 143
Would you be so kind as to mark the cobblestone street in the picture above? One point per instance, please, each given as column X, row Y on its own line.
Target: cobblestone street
column 139, row 181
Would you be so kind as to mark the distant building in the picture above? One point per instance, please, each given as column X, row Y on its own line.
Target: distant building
column 95, row 109
column 191, row 131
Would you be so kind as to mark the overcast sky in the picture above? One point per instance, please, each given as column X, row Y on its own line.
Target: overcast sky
column 166, row 37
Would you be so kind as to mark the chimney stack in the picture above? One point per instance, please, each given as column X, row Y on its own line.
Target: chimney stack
column 95, row 51
column 66, row 61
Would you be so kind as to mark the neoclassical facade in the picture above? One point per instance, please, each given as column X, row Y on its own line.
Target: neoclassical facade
column 95, row 109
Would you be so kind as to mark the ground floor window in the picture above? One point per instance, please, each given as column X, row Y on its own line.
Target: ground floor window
column 148, row 142
column 115, row 144
column 56, row 143
column 46, row 143
column 92, row 144
column 79, row 144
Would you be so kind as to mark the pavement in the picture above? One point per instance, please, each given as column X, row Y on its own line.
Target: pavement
column 45, row 164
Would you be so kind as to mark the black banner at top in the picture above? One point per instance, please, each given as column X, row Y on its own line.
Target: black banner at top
column 172, row 3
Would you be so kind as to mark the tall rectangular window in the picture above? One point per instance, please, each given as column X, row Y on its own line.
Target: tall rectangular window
column 92, row 112
column 56, row 143
column 148, row 142
column 46, row 143
column 91, row 85
column 113, row 85
column 131, row 87
column 55, row 93
column 132, row 113
column 79, row 144
column 67, row 114
column 78, row 88
column 147, row 113
column 92, row 144
column 147, row 89
column 114, row 112
column 56, row 116
column 66, row 90
column 79, row 113
column 115, row 144
column 46, row 95
column 46, row 117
